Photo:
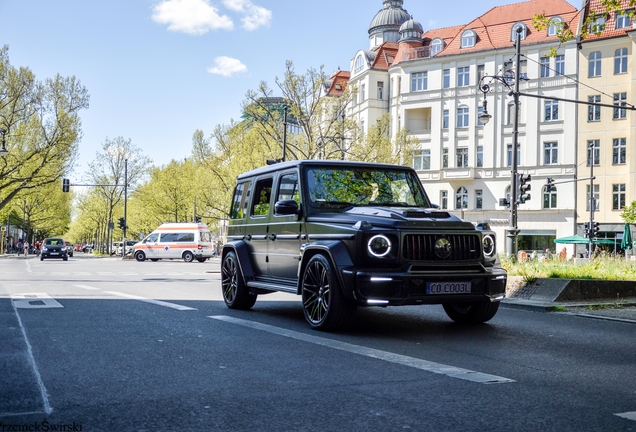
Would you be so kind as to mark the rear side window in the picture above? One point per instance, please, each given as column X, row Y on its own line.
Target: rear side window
column 185, row 237
column 240, row 200
column 169, row 237
column 262, row 197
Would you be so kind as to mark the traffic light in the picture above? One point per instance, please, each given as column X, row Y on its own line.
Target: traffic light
column 550, row 187
column 197, row 219
column 66, row 183
column 586, row 229
column 595, row 229
column 523, row 186
column 122, row 223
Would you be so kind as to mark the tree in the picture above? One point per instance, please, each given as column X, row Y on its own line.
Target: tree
column 43, row 128
column 378, row 147
column 629, row 213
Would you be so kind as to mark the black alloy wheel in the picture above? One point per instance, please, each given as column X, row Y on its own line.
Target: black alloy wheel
column 235, row 293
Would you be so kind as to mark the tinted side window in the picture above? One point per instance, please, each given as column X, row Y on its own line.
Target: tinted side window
column 169, row 237
column 262, row 197
column 240, row 200
column 288, row 188
column 186, row 237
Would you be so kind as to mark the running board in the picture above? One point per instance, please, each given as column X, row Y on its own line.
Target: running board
column 272, row 286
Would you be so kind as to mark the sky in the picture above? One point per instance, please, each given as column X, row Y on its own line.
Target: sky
column 158, row 70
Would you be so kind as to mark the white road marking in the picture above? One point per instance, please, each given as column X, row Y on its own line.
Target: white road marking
column 45, row 397
column 28, row 264
column 438, row 368
column 86, row 287
column 147, row 300
column 628, row 415
column 23, row 301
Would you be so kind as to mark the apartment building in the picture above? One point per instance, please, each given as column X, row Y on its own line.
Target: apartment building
column 431, row 84
column 607, row 134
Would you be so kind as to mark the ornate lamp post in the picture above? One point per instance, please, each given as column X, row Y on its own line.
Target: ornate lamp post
column 485, row 83
column 3, row 149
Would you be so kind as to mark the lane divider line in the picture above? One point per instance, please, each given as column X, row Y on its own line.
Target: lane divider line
column 429, row 366
column 45, row 396
column 152, row 301
column 628, row 415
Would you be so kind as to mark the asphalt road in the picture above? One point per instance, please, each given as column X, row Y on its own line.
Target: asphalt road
column 105, row 344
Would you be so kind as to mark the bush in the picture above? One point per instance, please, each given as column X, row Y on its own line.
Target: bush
column 598, row 268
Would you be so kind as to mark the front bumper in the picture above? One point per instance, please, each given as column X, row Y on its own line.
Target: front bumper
column 410, row 288
column 53, row 254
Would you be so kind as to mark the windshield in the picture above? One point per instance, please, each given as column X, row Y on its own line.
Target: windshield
column 364, row 186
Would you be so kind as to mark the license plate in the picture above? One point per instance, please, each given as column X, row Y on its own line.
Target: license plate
column 448, row 288
column 55, row 253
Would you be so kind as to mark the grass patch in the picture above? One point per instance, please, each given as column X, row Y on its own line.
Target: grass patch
column 598, row 268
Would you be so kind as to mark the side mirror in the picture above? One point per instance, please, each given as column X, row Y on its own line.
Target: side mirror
column 435, row 206
column 286, row 207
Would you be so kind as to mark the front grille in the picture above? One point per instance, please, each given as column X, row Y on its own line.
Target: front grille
column 421, row 247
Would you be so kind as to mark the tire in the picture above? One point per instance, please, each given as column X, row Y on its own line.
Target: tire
column 235, row 293
column 154, row 259
column 201, row 259
column 188, row 256
column 41, row 258
column 65, row 258
column 471, row 313
column 324, row 304
column 140, row 256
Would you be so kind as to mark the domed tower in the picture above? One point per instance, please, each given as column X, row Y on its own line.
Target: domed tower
column 385, row 26
column 411, row 31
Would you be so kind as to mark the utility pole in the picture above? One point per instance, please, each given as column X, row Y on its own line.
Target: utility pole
column 123, row 248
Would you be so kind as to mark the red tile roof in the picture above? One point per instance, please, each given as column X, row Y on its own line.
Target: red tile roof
column 595, row 7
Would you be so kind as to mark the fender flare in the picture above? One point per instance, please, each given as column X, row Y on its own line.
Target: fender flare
column 335, row 251
column 240, row 249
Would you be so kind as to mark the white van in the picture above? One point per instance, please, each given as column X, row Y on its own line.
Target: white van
column 187, row 241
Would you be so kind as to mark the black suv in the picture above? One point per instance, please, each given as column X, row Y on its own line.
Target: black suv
column 349, row 234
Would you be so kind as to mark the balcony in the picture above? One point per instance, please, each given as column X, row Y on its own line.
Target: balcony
column 416, row 53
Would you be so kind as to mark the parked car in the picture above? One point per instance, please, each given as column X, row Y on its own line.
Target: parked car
column 53, row 248
column 350, row 234
column 69, row 248
column 129, row 247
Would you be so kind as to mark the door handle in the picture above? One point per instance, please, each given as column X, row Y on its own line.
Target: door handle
column 272, row 236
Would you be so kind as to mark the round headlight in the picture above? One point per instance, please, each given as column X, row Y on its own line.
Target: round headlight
column 489, row 245
column 379, row 246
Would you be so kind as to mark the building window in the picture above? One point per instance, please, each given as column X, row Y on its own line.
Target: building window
column 556, row 24
column 419, row 81
column 462, row 117
column 619, row 151
column 461, row 198
column 462, row 157
column 480, row 156
column 596, row 197
column 359, row 64
column 550, row 153
column 362, row 126
column 523, row 69
column 545, row 67
column 436, row 46
column 463, row 76
column 446, row 78
column 468, row 39
column 509, row 154
column 363, row 90
column 559, row 65
column 444, row 158
column 594, row 111
column 594, row 64
column 443, row 200
column 620, row 100
column 380, row 90
column 511, row 113
column 594, row 149
column 618, row 196
column 620, row 61
column 623, row 20
column 551, row 110
column 422, row 160
column 445, row 119
column 598, row 24
column 549, row 198
column 481, row 72
column 513, row 33
column 479, row 197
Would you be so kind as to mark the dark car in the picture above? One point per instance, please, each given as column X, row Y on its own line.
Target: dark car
column 350, row 234
column 54, row 248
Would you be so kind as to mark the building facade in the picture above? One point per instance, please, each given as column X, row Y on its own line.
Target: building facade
column 431, row 84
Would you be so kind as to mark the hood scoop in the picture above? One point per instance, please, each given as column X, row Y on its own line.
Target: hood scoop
column 427, row 214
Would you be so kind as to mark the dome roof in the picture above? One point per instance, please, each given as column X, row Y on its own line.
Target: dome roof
column 392, row 15
column 411, row 25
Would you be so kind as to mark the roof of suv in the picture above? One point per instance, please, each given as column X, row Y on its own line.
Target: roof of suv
column 322, row 163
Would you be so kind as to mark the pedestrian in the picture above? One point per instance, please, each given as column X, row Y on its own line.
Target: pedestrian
column 19, row 247
column 26, row 249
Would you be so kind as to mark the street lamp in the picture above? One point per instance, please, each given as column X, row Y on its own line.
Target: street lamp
column 485, row 86
column 3, row 149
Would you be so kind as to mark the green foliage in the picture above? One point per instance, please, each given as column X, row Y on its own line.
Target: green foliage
column 629, row 213
column 597, row 268
column 43, row 130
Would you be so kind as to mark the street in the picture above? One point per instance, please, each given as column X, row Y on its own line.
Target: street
column 102, row 344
